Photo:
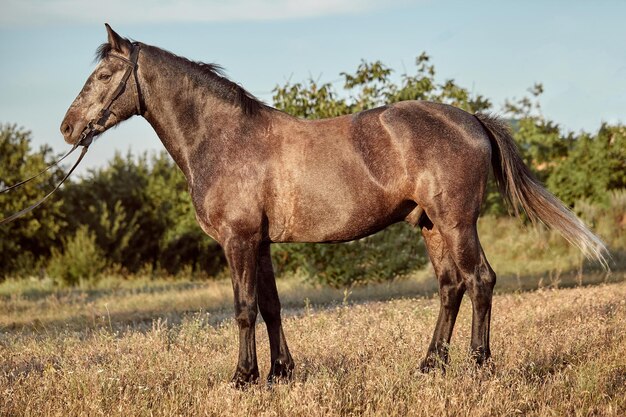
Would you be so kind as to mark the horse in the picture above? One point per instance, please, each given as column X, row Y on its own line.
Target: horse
column 258, row 176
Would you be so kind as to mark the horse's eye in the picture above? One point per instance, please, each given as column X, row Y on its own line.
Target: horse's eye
column 103, row 76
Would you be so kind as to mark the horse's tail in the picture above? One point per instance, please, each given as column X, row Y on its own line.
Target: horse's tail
column 519, row 187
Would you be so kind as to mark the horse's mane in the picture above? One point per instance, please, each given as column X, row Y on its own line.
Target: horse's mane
column 213, row 76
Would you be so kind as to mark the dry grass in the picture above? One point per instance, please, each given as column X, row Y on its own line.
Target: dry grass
column 145, row 347
column 556, row 352
column 36, row 306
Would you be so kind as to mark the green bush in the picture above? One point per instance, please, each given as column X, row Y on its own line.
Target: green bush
column 80, row 261
column 26, row 243
column 194, row 250
column 394, row 251
column 608, row 220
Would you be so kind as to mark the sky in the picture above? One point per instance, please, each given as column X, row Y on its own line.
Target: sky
column 496, row 48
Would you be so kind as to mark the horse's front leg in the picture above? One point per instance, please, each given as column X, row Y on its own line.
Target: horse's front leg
column 269, row 304
column 242, row 255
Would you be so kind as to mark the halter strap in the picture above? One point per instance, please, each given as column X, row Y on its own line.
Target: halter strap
column 131, row 69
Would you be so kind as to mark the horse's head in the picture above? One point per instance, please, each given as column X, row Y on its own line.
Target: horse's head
column 111, row 93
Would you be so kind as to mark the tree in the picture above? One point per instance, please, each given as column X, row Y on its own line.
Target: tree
column 595, row 165
column 26, row 241
column 370, row 86
column 141, row 214
column 540, row 140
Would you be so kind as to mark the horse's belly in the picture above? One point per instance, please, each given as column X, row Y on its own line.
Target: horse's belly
column 337, row 216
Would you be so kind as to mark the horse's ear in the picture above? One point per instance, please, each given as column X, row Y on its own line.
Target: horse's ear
column 116, row 41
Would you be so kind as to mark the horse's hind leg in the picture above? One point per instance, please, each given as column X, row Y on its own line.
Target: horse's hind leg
column 461, row 240
column 451, row 289
column 269, row 304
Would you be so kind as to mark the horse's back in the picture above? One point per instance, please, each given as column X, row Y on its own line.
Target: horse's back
column 435, row 127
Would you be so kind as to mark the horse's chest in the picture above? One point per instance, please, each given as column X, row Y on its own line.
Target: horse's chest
column 226, row 207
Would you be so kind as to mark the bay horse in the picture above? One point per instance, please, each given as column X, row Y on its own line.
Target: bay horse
column 257, row 176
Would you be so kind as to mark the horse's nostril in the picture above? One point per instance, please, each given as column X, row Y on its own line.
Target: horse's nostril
column 66, row 129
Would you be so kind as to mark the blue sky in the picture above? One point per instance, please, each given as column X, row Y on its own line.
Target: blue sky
column 498, row 49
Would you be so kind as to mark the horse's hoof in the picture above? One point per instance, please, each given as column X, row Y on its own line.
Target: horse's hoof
column 242, row 380
column 481, row 355
column 432, row 363
column 282, row 371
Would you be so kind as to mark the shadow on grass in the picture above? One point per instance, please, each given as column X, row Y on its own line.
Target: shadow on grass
column 297, row 298
column 40, row 289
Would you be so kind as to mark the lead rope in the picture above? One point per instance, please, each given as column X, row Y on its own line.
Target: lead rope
column 42, row 172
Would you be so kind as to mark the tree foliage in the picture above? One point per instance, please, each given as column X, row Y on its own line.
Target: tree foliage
column 389, row 253
column 142, row 215
column 79, row 260
column 23, row 242
column 594, row 165
column 370, row 86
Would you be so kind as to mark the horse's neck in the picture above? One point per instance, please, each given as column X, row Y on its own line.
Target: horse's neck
column 188, row 119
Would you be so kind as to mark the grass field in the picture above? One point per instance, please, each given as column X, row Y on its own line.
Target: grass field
column 162, row 347
column 170, row 348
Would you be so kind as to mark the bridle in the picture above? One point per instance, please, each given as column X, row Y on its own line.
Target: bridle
column 131, row 68
column 94, row 126
column 97, row 124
